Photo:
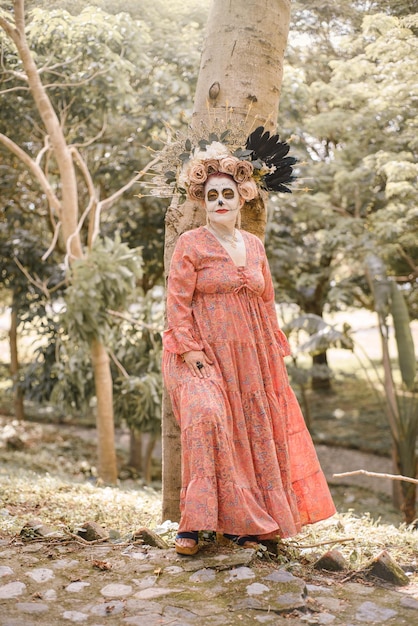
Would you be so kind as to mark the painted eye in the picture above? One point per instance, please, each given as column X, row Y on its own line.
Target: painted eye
column 212, row 195
column 228, row 194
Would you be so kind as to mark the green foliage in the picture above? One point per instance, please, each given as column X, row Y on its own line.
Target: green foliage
column 349, row 100
column 138, row 396
column 71, row 383
column 138, row 402
column 389, row 299
column 404, row 340
column 62, row 374
column 103, row 280
column 321, row 335
column 401, row 405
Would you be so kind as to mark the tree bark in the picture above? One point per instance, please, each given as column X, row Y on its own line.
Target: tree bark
column 321, row 383
column 171, row 462
column 135, row 450
column 240, row 75
column 19, row 411
column 242, row 62
column 107, row 466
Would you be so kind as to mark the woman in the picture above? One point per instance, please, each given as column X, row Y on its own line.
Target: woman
column 249, row 468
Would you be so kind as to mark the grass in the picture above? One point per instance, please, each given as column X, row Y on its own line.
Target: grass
column 51, row 479
column 66, row 505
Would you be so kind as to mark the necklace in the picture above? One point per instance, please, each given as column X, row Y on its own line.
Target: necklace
column 231, row 239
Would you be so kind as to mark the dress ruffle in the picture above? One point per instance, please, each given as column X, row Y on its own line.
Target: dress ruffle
column 180, row 340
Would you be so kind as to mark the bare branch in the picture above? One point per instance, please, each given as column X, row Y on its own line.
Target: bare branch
column 40, row 285
column 133, row 321
column 93, row 200
column 107, row 203
column 14, row 74
column 50, row 68
column 321, row 543
column 35, row 169
column 53, row 242
column 76, row 233
column 409, row 260
column 85, row 171
column 405, row 479
column 77, row 83
column 118, row 364
column 93, row 139
column 8, row 28
column 43, row 151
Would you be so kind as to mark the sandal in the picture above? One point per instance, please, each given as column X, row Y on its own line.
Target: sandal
column 245, row 541
column 187, row 550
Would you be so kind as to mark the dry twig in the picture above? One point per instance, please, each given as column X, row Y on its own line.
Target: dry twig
column 321, row 543
column 406, row 479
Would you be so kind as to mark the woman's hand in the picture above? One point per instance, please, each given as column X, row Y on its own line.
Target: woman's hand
column 198, row 363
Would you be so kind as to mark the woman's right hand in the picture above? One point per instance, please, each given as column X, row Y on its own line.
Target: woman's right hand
column 193, row 358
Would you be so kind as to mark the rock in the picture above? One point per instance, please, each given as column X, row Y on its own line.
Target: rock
column 203, row 576
column 219, row 562
column 105, row 609
column 371, row 612
column 153, row 592
column 410, row 603
column 256, row 589
column 15, row 443
column 150, row 538
column 383, row 566
column 240, row 573
column 332, row 561
column 31, row 607
column 76, row 586
column 36, row 528
column 75, row 616
column 12, row 590
column 5, row 570
column 116, row 590
column 281, row 576
column 91, row 531
column 41, row 574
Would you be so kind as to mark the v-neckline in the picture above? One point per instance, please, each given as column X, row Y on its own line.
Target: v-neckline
column 223, row 248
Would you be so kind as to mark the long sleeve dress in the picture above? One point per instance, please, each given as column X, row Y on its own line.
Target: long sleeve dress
column 249, row 466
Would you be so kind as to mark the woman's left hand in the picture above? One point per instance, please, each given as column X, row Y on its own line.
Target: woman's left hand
column 198, row 363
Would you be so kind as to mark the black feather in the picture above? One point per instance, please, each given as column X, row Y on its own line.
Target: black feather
column 269, row 149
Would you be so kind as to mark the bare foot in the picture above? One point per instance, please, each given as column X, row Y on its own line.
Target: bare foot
column 185, row 543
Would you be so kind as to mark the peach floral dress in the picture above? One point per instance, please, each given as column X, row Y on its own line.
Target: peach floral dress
column 249, row 466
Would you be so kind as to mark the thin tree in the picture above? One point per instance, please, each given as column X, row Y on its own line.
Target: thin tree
column 64, row 212
column 240, row 75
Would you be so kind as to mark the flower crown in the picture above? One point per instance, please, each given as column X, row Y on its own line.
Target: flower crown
column 261, row 163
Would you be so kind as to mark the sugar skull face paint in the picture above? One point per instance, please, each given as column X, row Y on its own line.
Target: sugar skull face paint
column 213, row 195
column 222, row 200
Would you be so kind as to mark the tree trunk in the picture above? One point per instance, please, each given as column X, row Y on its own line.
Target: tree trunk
column 105, row 423
column 135, row 450
column 19, row 412
column 321, row 383
column 315, row 305
column 149, row 449
column 242, row 61
column 171, row 462
column 240, row 75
